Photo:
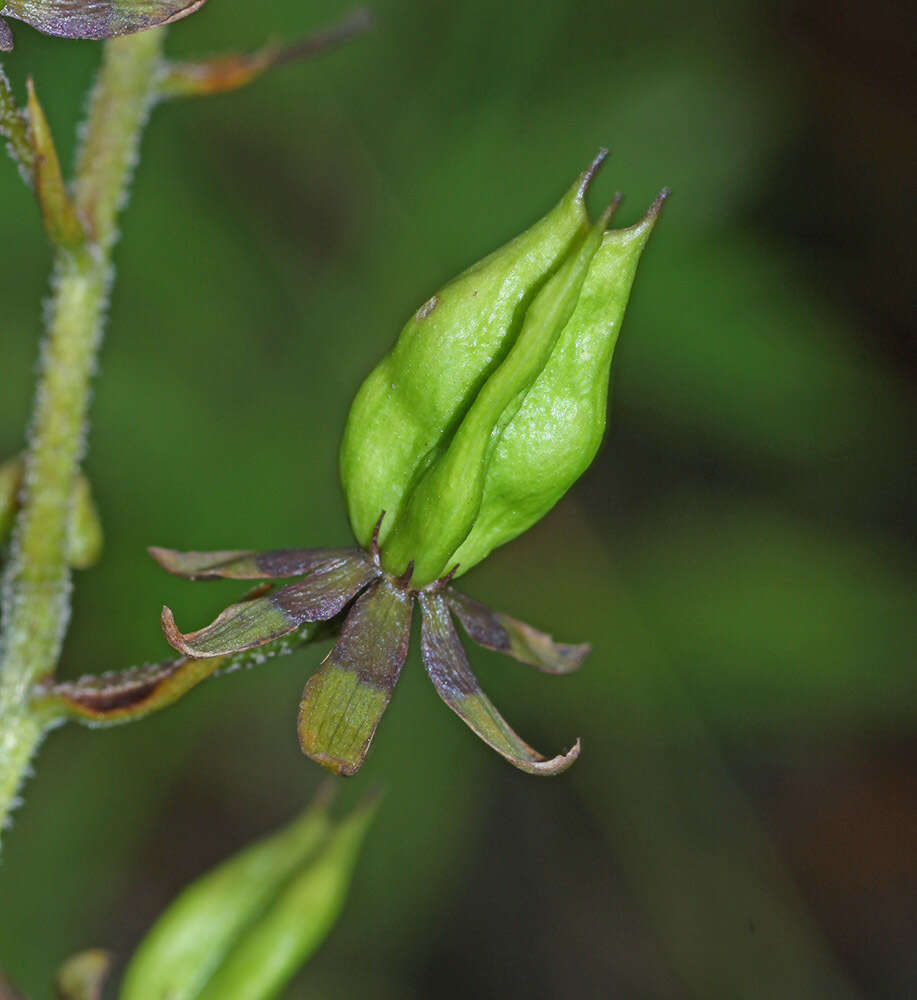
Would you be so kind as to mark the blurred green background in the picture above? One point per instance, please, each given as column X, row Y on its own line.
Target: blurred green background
column 743, row 820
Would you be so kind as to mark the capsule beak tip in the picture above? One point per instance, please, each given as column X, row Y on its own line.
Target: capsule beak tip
column 592, row 170
column 611, row 209
column 652, row 213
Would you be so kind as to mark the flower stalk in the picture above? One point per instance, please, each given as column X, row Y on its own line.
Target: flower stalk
column 35, row 604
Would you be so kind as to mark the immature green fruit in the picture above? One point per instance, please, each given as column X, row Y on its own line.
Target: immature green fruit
column 444, row 504
column 492, row 402
column 555, row 435
column 488, row 408
column 409, row 406
column 242, row 931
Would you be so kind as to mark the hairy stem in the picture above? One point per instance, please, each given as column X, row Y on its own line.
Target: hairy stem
column 35, row 603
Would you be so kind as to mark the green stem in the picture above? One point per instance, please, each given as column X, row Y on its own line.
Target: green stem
column 35, row 601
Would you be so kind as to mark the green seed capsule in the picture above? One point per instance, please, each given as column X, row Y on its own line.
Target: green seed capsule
column 242, row 930
column 444, row 504
column 492, row 402
column 554, row 437
column 201, row 927
column 410, row 404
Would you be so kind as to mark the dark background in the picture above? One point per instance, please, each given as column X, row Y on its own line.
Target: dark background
column 743, row 820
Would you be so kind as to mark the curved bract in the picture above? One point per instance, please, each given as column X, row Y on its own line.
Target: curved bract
column 344, row 701
column 93, row 19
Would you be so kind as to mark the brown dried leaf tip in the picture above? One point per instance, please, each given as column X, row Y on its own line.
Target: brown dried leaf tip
column 219, row 74
column 343, row 702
